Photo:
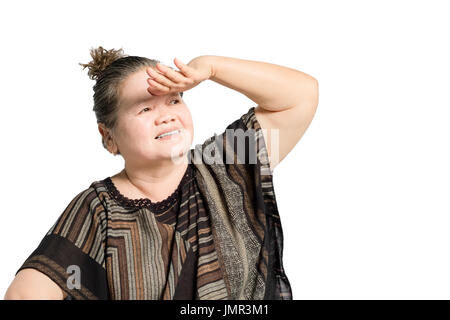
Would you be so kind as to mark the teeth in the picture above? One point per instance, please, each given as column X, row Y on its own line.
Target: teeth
column 168, row 133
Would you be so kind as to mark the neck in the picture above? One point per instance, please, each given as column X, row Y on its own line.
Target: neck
column 156, row 181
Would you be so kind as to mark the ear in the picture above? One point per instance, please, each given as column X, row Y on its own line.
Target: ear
column 103, row 130
column 107, row 138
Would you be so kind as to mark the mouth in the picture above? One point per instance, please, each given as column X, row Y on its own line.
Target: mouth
column 167, row 135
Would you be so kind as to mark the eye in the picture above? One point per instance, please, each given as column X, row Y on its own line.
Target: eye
column 147, row 109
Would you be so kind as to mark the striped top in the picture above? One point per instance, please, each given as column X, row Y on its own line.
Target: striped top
column 217, row 236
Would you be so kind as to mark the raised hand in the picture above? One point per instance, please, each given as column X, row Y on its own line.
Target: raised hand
column 165, row 80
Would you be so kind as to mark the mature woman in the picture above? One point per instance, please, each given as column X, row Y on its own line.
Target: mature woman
column 176, row 223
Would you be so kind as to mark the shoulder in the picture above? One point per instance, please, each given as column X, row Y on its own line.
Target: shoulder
column 241, row 146
column 241, row 142
column 87, row 207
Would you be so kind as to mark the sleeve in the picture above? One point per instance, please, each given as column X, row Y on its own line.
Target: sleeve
column 241, row 198
column 247, row 143
column 241, row 143
column 72, row 251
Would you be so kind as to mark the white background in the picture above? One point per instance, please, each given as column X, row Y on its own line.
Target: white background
column 363, row 197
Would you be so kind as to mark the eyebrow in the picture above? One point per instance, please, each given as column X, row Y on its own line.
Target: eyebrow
column 135, row 103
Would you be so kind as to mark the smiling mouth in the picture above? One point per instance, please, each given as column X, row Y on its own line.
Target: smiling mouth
column 168, row 134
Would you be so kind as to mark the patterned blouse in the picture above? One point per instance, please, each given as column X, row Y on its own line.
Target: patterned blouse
column 217, row 236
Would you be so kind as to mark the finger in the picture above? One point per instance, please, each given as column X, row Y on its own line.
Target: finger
column 184, row 68
column 160, row 78
column 156, row 88
column 171, row 74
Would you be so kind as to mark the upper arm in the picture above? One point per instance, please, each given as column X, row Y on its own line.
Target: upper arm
column 31, row 284
column 73, row 241
column 291, row 124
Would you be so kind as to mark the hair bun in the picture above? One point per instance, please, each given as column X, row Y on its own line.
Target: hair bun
column 101, row 58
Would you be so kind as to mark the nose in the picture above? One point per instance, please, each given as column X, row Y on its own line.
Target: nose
column 164, row 118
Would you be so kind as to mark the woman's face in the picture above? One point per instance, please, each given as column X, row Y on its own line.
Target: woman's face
column 142, row 117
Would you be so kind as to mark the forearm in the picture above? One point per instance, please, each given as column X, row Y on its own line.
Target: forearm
column 271, row 86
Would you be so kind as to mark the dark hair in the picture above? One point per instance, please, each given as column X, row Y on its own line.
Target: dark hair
column 110, row 68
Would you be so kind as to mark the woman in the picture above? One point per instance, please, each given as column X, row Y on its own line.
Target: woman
column 176, row 223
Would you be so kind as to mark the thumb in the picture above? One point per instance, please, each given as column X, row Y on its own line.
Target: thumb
column 185, row 69
column 178, row 63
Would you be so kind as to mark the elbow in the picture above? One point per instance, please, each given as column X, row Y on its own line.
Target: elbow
column 313, row 97
column 20, row 295
column 315, row 86
column 308, row 94
column 13, row 295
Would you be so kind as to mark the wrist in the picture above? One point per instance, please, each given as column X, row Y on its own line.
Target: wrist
column 207, row 62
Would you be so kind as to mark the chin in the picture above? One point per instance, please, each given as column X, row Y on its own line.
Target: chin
column 172, row 152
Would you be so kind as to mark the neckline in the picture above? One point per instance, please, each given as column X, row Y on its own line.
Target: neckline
column 159, row 206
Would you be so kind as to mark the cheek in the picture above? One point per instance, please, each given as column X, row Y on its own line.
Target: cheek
column 187, row 119
column 134, row 131
column 188, row 124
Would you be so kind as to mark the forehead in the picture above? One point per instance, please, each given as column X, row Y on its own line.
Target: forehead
column 134, row 89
